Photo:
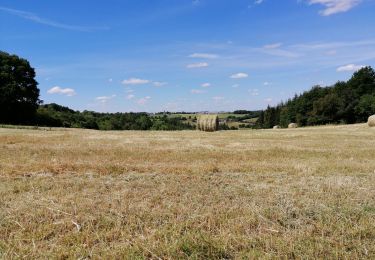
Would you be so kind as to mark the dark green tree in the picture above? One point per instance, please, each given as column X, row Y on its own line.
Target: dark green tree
column 19, row 94
column 270, row 117
column 260, row 121
column 365, row 107
column 284, row 117
column 326, row 109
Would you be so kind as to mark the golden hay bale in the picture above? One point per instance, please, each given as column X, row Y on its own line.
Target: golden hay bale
column 292, row 125
column 371, row 121
column 208, row 123
column 276, row 127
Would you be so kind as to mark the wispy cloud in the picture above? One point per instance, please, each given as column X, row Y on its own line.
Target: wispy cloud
column 159, row 84
column 350, row 67
column 254, row 92
column 196, row 2
column 268, row 100
column 197, row 91
column 274, row 49
column 335, row 6
column 331, row 45
column 143, row 101
column 258, row 2
column 62, row 91
column 331, row 52
column 204, row 56
column 37, row 19
column 197, row 65
column 206, row 85
column 272, row 46
column 130, row 96
column 218, row 98
column 104, row 99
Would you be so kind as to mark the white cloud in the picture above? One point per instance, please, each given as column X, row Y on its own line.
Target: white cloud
column 206, row 85
column 143, row 101
column 159, row 84
column 268, row 100
column 350, row 67
column 130, row 96
column 204, row 56
column 217, row 98
column 239, row 76
column 235, row 86
column 258, row 2
column 197, row 91
column 266, row 83
column 62, row 91
column 273, row 46
column 105, row 99
column 254, row 92
column 197, row 65
column 335, row 6
column 135, row 81
column 110, row 80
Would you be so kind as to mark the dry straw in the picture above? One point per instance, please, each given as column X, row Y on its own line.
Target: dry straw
column 292, row 125
column 371, row 121
column 208, row 123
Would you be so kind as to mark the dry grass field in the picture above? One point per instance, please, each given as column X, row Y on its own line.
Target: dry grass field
column 294, row 193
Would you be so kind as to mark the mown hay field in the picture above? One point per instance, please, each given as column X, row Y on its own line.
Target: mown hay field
column 284, row 193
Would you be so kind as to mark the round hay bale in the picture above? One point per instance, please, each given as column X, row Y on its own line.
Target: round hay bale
column 208, row 123
column 292, row 125
column 276, row 127
column 371, row 121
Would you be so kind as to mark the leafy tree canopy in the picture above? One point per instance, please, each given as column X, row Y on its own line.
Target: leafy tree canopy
column 19, row 94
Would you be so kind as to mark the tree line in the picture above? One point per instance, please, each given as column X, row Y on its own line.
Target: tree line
column 59, row 116
column 347, row 102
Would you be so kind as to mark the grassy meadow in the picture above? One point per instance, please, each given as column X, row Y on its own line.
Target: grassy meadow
column 289, row 193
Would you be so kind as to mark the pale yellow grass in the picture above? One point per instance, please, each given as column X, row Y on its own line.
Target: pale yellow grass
column 290, row 193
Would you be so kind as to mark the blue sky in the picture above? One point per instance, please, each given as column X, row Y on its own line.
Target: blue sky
column 186, row 55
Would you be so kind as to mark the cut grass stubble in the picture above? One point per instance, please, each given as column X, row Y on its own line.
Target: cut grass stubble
column 296, row 193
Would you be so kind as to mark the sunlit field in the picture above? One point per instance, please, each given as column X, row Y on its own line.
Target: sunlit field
column 291, row 193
